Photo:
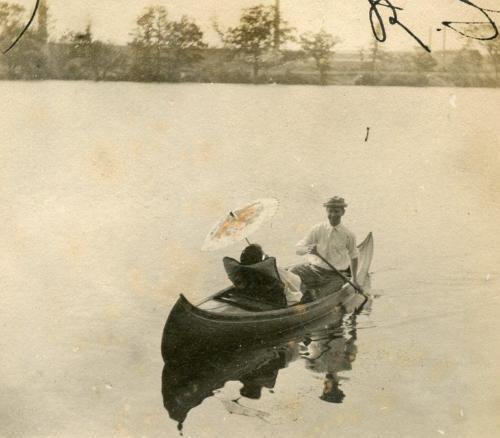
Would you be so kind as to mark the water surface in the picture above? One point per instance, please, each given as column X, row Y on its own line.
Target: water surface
column 108, row 191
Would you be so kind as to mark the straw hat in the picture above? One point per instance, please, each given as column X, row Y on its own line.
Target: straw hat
column 336, row 201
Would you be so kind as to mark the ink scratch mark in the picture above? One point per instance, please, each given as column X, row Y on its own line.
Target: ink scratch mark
column 33, row 15
column 367, row 133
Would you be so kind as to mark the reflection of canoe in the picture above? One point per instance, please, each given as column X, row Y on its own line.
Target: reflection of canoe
column 187, row 382
column 216, row 323
column 190, row 375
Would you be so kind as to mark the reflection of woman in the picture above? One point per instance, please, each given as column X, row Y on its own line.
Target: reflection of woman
column 265, row 375
column 331, row 355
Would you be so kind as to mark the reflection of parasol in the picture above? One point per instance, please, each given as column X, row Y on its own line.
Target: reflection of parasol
column 240, row 223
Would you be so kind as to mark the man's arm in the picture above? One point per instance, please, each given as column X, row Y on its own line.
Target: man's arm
column 307, row 244
column 305, row 249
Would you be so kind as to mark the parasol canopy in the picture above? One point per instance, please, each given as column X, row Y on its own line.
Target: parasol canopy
column 238, row 224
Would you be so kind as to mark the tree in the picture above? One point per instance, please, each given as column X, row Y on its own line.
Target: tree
column 43, row 22
column 423, row 61
column 150, row 36
column 256, row 36
column 184, row 45
column 162, row 48
column 376, row 56
column 319, row 47
column 11, row 16
column 466, row 65
column 10, row 26
column 492, row 47
column 375, row 50
column 88, row 58
column 277, row 25
column 28, row 58
column 361, row 54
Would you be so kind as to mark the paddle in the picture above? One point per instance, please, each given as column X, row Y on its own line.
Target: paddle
column 316, row 253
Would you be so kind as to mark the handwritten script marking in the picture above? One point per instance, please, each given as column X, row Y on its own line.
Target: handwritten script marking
column 484, row 11
column 376, row 18
column 380, row 33
column 32, row 18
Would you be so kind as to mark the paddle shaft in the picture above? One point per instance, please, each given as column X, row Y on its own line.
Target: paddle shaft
column 340, row 274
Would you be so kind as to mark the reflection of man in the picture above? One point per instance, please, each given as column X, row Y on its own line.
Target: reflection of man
column 335, row 243
column 331, row 391
column 332, row 355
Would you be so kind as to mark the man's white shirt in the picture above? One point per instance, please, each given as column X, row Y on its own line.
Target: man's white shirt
column 336, row 244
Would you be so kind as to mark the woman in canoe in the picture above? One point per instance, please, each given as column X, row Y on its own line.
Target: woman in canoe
column 258, row 277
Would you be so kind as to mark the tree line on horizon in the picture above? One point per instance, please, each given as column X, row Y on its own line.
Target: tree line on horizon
column 166, row 50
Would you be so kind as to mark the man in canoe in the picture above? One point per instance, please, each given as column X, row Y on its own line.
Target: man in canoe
column 336, row 244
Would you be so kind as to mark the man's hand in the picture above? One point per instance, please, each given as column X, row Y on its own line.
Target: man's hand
column 312, row 249
column 358, row 287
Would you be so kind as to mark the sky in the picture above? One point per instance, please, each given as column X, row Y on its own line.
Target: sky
column 113, row 20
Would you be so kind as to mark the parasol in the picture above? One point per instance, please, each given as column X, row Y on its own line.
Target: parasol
column 238, row 224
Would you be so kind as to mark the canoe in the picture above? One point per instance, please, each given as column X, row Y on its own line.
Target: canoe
column 223, row 323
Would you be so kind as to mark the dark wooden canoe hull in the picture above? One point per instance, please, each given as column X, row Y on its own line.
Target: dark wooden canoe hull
column 188, row 323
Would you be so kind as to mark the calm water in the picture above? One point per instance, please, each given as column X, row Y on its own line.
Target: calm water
column 108, row 191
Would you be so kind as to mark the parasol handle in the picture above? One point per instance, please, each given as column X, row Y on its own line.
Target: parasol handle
column 234, row 216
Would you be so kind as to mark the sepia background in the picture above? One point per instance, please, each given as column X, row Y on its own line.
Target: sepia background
column 109, row 188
